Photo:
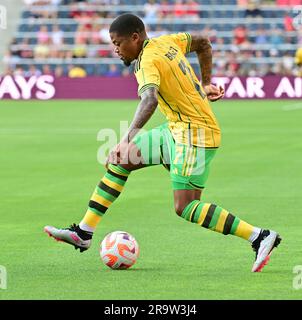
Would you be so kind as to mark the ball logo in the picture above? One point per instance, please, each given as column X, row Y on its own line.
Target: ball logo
column 119, row 250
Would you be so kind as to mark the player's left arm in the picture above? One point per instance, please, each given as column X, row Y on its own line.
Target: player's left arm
column 144, row 111
column 203, row 48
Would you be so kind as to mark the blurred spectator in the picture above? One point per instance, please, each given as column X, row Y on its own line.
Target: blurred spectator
column 57, row 35
column 68, row 55
column 104, row 34
column 59, row 71
column 113, row 71
column 276, row 37
column 178, row 10
column 160, row 30
column 80, row 49
column 218, row 41
column 192, row 9
column 277, row 68
column 74, row 10
column 298, row 62
column 164, row 9
column 299, row 35
column 81, row 34
column 95, row 35
column 10, row 60
column 19, row 71
column 32, row 71
column 42, row 35
column 76, row 72
column 211, row 33
column 288, row 2
column 82, row 13
column 41, row 51
column 261, row 36
column 288, row 23
column 25, row 51
column 273, row 52
column 232, row 65
column 287, row 63
column 46, row 70
column 8, row 71
column 151, row 33
column 242, row 3
column 253, row 10
column 240, row 35
column 50, row 11
column 104, row 52
column 151, row 11
column 298, row 56
column 126, row 73
column 270, row 71
column 14, row 49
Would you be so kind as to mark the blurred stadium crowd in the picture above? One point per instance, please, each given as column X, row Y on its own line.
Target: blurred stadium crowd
column 70, row 38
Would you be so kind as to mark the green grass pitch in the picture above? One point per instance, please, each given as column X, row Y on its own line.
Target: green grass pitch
column 49, row 170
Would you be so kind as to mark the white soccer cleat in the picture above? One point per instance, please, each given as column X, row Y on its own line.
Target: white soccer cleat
column 264, row 245
column 71, row 236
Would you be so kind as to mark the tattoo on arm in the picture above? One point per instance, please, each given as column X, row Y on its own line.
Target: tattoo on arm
column 202, row 46
column 143, row 113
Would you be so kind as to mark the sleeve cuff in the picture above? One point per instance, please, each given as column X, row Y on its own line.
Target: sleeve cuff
column 189, row 39
column 147, row 86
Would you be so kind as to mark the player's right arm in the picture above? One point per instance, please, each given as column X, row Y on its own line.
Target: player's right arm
column 203, row 48
column 201, row 45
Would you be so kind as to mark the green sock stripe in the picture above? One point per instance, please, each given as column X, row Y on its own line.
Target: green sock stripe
column 188, row 210
column 119, row 176
column 97, row 206
column 115, row 179
column 118, row 169
column 215, row 218
column 108, row 189
column 235, row 225
column 96, row 212
column 197, row 212
column 105, row 194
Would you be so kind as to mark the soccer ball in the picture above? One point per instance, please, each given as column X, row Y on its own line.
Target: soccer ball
column 119, row 250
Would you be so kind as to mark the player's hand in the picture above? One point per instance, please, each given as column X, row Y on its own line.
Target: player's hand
column 116, row 154
column 213, row 93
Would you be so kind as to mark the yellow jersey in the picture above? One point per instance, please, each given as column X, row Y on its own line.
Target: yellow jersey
column 162, row 64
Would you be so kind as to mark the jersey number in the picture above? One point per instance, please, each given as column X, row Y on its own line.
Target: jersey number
column 186, row 70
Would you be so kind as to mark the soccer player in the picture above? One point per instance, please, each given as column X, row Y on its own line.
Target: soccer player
column 185, row 145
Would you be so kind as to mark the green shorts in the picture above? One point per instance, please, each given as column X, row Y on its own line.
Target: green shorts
column 188, row 165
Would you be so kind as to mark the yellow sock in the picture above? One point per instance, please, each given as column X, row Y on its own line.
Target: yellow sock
column 103, row 196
